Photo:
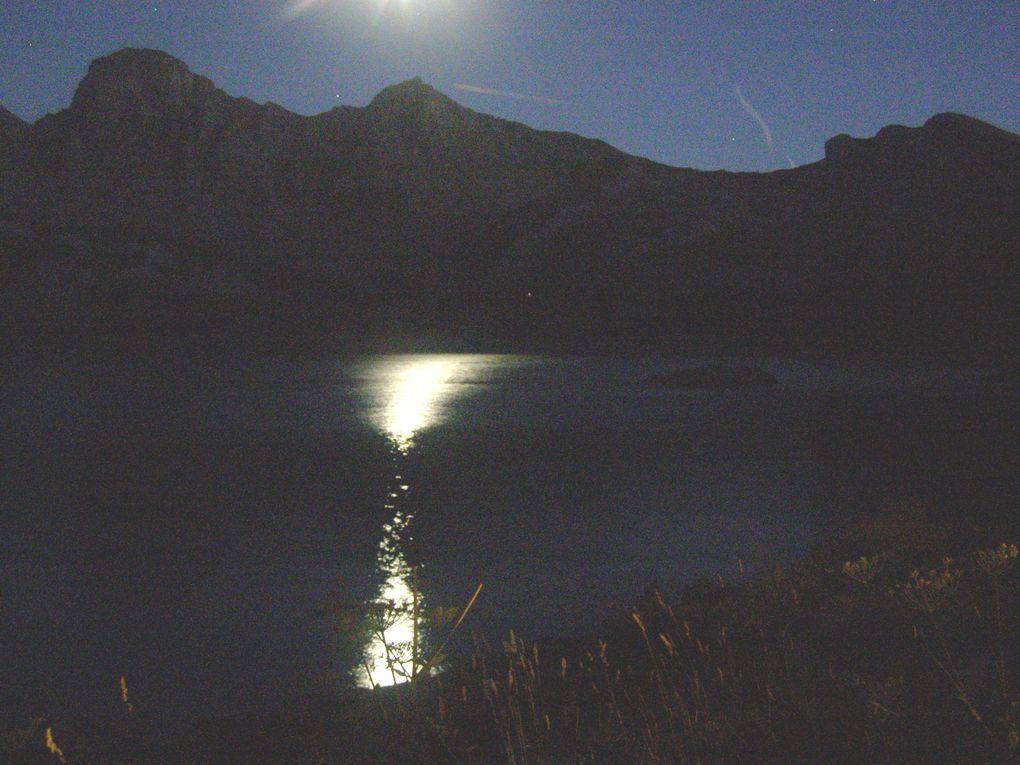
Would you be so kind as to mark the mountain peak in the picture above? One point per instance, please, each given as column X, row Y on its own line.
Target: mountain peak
column 945, row 132
column 415, row 85
column 413, row 94
column 963, row 127
column 139, row 79
column 137, row 64
column 134, row 57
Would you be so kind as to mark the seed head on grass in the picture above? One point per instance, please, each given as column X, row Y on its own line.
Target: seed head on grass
column 864, row 569
column 997, row 560
column 928, row 593
column 124, row 696
column 51, row 745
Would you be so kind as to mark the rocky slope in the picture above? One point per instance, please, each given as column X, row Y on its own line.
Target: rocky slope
column 157, row 204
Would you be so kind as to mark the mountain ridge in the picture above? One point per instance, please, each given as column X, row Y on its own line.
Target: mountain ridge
column 166, row 203
column 152, row 65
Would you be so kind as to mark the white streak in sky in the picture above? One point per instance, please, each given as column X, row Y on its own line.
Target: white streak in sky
column 504, row 94
column 757, row 117
column 298, row 7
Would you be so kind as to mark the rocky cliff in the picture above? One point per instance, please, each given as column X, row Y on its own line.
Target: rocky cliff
column 158, row 204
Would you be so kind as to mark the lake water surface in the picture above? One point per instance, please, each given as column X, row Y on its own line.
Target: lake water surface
column 186, row 526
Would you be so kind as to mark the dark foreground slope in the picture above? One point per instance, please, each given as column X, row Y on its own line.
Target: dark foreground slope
column 890, row 643
column 157, row 206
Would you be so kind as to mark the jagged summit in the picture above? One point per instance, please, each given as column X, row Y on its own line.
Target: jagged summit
column 413, row 95
column 136, row 64
column 147, row 82
column 131, row 58
column 412, row 89
column 137, row 80
column 148, row 75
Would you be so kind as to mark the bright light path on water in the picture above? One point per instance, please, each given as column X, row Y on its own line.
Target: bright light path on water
column 413, row 392
column 415, row 395
column 388, row 656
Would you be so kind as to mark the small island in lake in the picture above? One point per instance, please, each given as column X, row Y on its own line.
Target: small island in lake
column 713, row 377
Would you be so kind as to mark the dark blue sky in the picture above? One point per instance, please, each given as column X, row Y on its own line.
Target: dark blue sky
column 680, row 82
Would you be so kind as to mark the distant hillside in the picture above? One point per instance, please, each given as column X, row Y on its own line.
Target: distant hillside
column 158, row 206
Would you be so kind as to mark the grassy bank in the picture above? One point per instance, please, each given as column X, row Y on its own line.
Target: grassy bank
column 894, row 641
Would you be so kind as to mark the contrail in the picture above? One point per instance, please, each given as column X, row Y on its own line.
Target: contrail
column 504, row 93
column 757, row 117
column 298, row 7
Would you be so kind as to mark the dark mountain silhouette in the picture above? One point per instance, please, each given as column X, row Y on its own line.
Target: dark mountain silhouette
column 13, row 132
column 157, row 205
column 12, row 127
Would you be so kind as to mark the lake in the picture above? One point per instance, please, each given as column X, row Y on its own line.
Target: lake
column 186, row 525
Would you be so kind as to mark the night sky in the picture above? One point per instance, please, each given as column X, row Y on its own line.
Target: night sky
column 734, row 85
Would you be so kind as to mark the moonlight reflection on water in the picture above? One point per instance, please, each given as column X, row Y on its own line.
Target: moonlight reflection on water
column 415, row 390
